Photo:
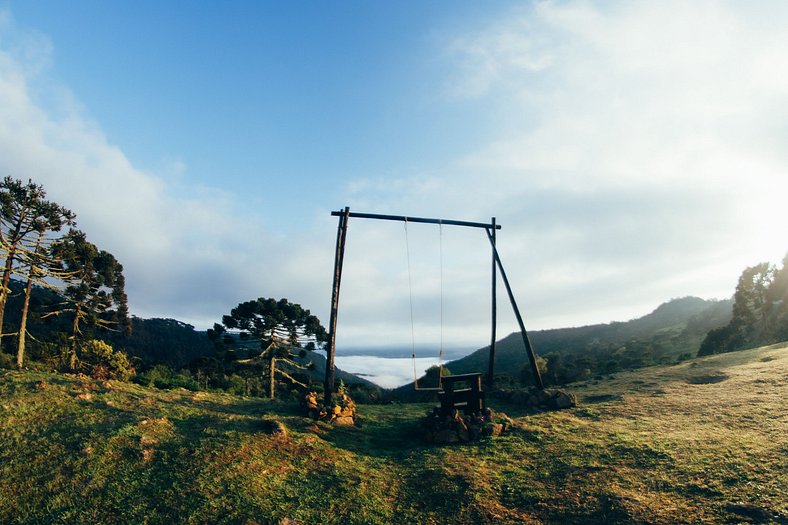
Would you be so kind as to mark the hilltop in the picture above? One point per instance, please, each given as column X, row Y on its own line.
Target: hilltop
column 701, row 441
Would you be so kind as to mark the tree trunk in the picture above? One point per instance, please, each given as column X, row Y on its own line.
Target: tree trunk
column 271, row 377
column 72, row 357
column 4, row 292
column 20, row 349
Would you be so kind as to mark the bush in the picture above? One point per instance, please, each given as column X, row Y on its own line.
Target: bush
column 7, row 361
column 162, row 376
column 103, row 362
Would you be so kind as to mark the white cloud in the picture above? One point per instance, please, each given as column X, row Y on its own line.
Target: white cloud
column 188, row 252
column 639, row 156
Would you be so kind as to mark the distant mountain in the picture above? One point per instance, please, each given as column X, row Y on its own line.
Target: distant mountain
column 673, row 331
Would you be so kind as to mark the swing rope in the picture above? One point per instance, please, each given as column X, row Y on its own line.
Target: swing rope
column 410, row 297
column 440, row 349
column 412, row 321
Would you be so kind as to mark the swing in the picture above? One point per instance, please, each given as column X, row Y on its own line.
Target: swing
column 416, row 386
column 473, row 379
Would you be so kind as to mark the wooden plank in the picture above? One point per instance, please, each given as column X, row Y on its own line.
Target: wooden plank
column 528, row 347
column 403, row 218
column 494, row 315
column 339, row 257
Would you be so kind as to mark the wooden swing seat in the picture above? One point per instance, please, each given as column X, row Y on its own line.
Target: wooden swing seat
column 470, row 399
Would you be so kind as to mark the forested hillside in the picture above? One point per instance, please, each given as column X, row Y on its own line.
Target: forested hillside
column 670, row 333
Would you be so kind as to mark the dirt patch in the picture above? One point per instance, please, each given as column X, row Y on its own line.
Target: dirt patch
column 707, row 379
column 602, row 398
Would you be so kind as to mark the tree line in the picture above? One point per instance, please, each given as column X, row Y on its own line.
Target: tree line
column 760, row 311
column 42, row 248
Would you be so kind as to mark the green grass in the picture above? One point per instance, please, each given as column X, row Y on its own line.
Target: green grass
column 705, row 441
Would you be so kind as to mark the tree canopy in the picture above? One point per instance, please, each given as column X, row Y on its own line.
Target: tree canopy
column 266, row 331
column 760, row 311
column 25, row 219
column 271, row 320
column 95, row 287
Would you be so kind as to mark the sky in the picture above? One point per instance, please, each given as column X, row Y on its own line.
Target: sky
column 632, row 151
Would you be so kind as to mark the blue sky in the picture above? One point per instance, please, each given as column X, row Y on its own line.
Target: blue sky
column 632, row 151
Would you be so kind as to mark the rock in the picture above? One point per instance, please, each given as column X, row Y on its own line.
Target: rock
column 464, row 435
column 273, row 427
column 544, row 396
column 492, row 429
column 564, row 400
column 85, row 396
column 344, row 421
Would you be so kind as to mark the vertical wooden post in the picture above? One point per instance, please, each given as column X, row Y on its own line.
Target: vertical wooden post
column 339, row 256
column 494, row 314
column 528, row 347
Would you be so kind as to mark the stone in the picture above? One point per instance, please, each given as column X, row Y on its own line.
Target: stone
column 493, row 429
column 344, row 421
column 544, row 396
column 564, row 400
column 273, row 427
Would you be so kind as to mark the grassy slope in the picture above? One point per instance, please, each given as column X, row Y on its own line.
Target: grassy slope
column 659, row 445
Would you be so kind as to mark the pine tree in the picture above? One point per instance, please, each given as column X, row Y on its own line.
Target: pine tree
column 25, row 217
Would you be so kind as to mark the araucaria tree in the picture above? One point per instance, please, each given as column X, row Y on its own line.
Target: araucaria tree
column 26, row 218
column 274, row 330
column 760, row 311
column 95, row 289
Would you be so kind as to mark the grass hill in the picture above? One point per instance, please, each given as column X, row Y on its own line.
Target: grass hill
column 704, row 441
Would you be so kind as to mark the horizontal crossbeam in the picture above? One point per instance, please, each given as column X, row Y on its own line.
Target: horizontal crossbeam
column 403, row 218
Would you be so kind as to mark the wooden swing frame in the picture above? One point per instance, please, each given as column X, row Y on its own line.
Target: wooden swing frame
column 339, row 256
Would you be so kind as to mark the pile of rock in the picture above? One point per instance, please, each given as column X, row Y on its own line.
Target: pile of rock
column 342, row 410
column 547, row 399
column 442, row 429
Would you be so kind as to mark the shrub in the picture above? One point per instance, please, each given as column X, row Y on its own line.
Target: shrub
column 162, row 376
column 103, row 362
column 7, row 361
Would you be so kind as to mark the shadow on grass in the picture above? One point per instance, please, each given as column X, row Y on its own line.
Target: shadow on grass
column 196, row 427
